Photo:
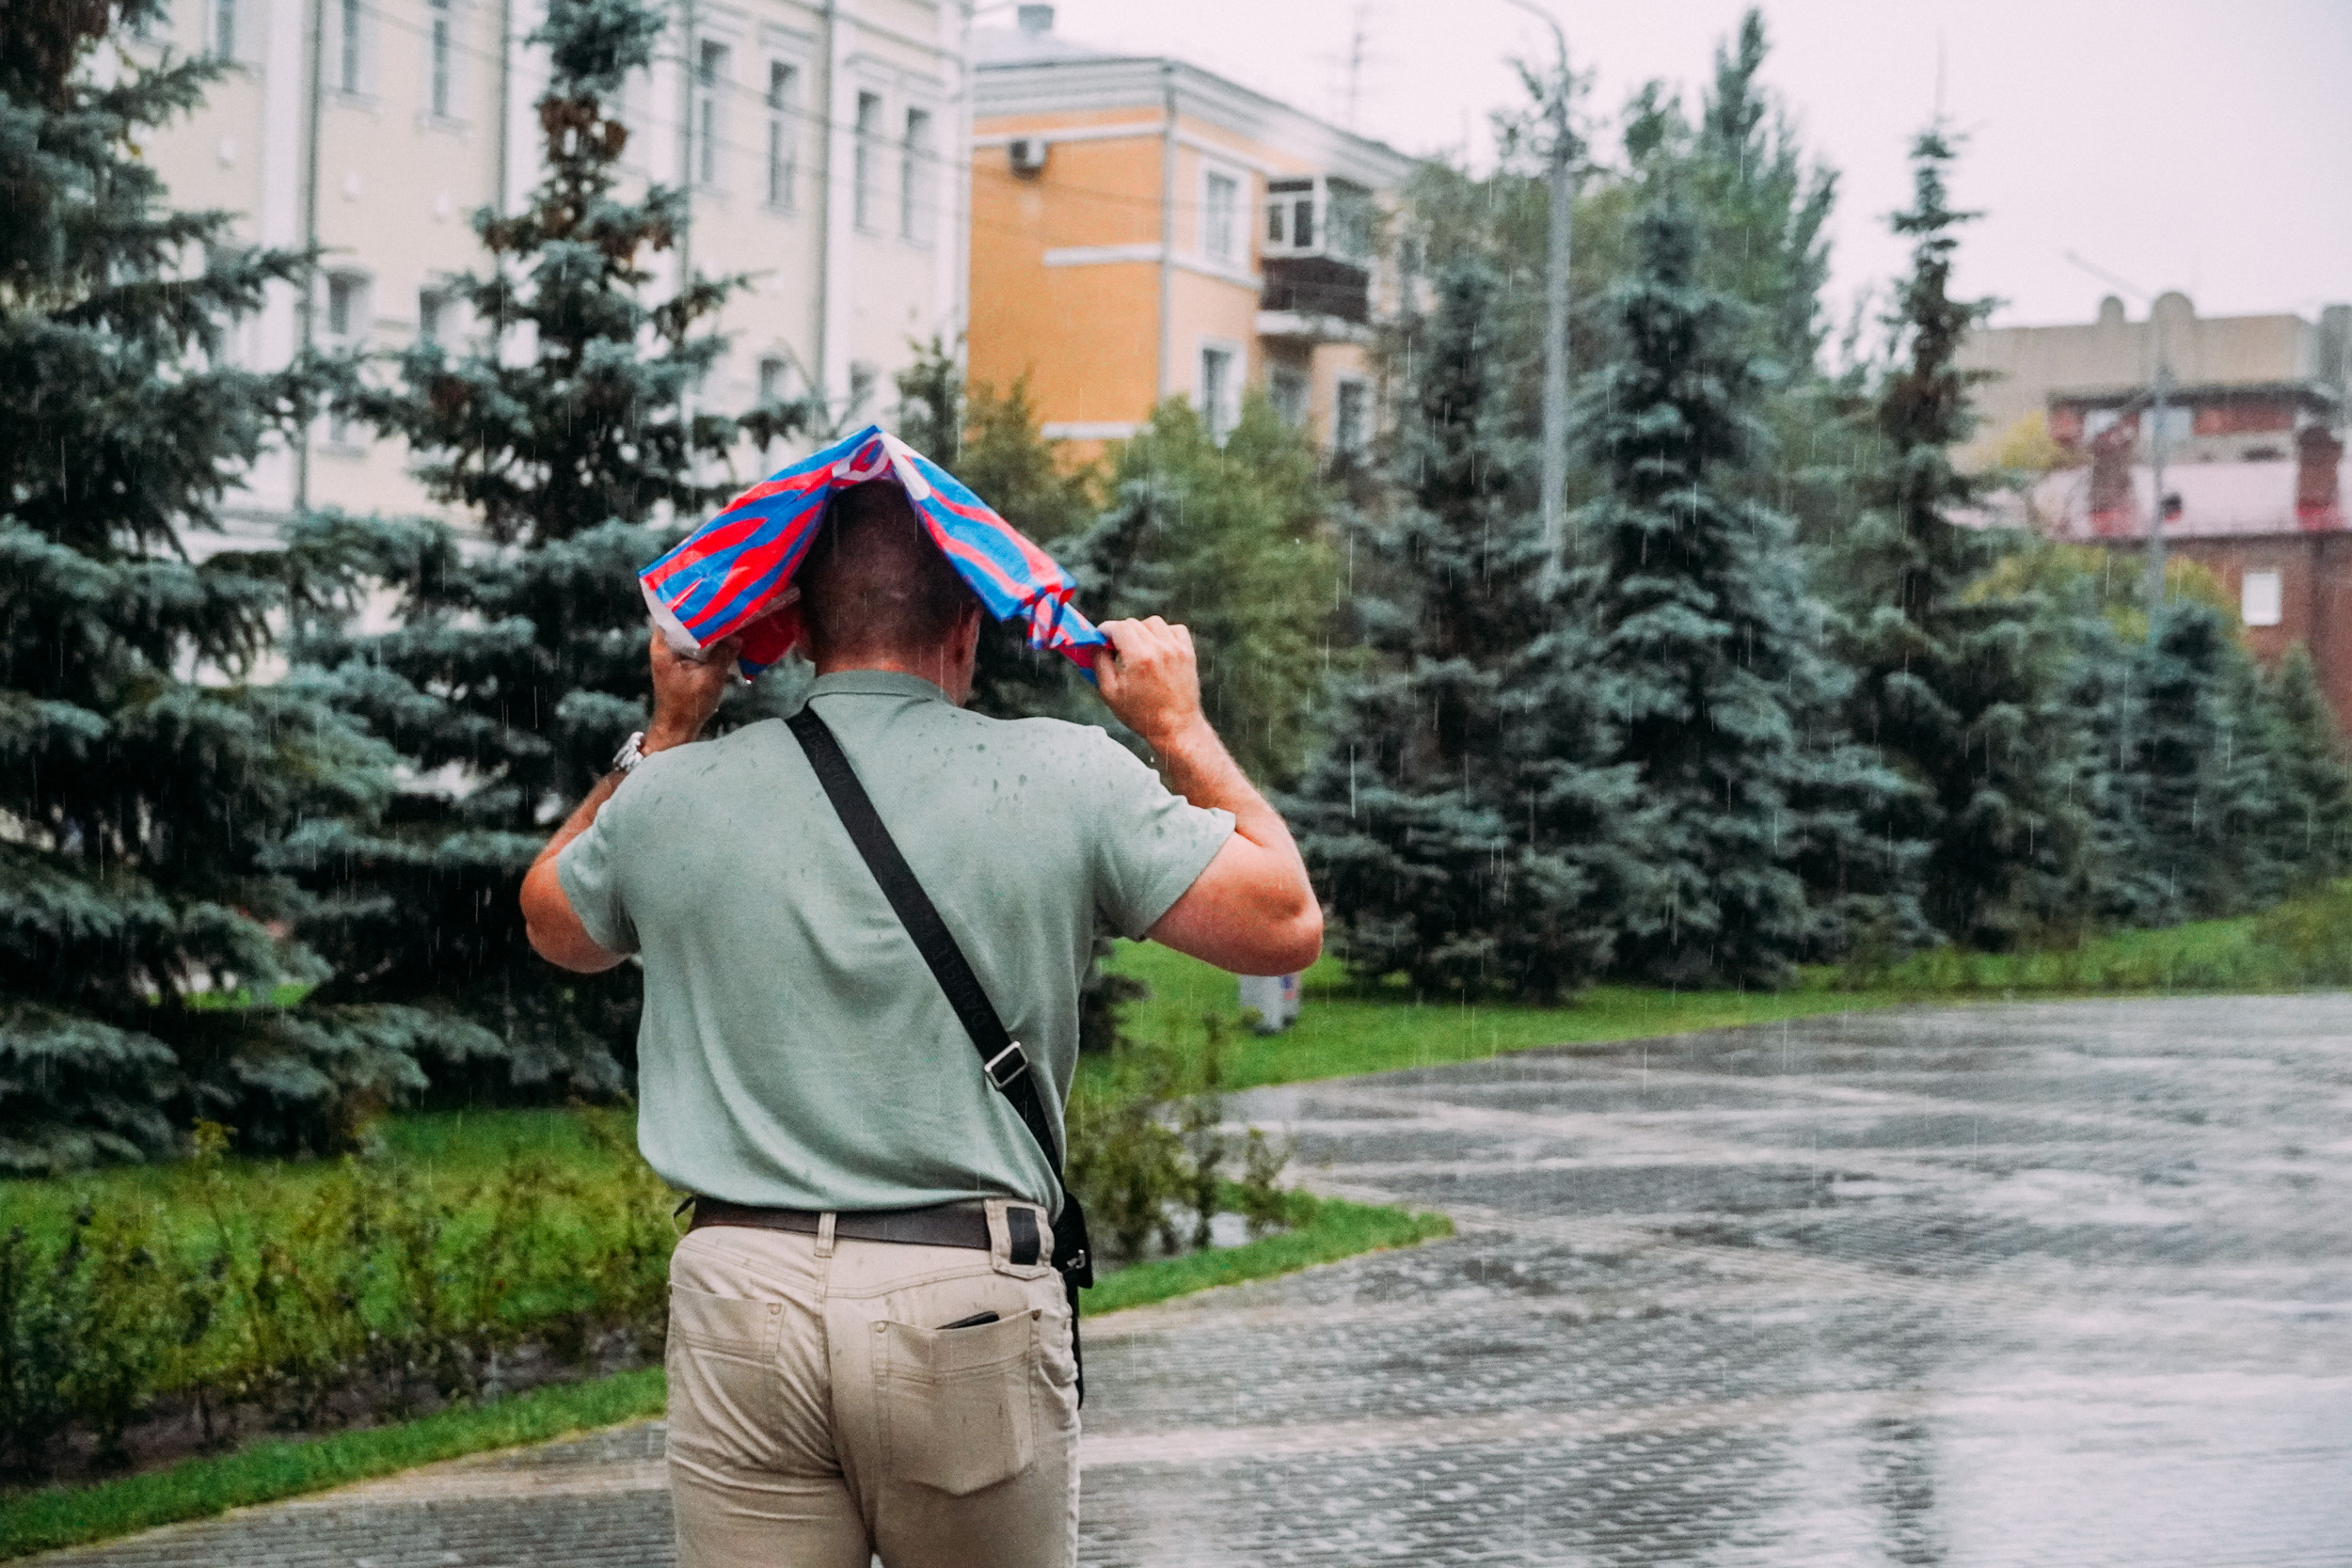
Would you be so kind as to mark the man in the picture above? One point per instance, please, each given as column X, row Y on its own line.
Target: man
column 863, row 1358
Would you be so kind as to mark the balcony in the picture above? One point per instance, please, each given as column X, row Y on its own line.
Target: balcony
column 1317, row 260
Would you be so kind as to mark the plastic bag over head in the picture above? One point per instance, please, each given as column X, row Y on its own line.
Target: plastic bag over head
column 733, row 573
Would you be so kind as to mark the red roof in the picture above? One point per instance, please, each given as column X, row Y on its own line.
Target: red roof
column 2215, row 500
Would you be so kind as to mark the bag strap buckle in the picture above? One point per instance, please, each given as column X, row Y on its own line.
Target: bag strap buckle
column 1004, row 1077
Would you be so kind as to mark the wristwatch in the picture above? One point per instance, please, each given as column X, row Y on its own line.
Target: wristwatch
column 631, row 752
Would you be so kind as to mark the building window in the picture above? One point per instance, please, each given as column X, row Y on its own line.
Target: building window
column 346, row 309
column 2176, row 425
column 222, row 35
column 711, row 75
column 1287, row 388
column 1220, row 388
column 1351, row 418
column 914, row 210
column 1319, row 217
column 2098, row 422
column 773, row 371
column 2259, row 599
column 351, row 15
column 346, row 324
column 431, row 307
column 441, row 48
column 1221, row 204
column 869, row 107
column 784, row 130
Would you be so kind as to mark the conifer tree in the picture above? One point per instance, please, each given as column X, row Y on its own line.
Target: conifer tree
column 1765, row 205
column 2192, row 777
column 2308, row 752
column 140, row 805
column 1451, row 844
column 1953, row 684
column 564, row 428
column 1709, row 665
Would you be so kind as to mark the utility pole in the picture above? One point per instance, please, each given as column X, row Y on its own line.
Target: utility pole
column 2156, row 405
column 1555, row 466
column 306, row 302
column 2159, row 398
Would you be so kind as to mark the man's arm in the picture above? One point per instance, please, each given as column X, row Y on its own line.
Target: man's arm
column 684, row 694
column 1253, row 909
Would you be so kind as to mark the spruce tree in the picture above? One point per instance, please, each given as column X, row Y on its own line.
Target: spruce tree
column 1763, row 205
column 1453, row 844
column 143, row 979
column 2115, row 877
column 2308, row 752
column 1708, row 664
column 1953, row 684
column 2194, row 775
column 563, row 429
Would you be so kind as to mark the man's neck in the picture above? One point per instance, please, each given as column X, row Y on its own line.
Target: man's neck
column 939, row 666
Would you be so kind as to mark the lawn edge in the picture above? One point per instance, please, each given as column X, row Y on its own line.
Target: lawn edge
column 62, row 1516
column 202, row 1488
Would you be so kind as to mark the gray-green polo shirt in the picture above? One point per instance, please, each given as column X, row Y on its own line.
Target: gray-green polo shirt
column 795, row 1051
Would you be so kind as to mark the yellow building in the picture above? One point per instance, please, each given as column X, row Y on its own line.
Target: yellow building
column 1142, row 230
column 821, row 142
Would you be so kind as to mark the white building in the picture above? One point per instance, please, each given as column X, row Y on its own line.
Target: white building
column 824, row 143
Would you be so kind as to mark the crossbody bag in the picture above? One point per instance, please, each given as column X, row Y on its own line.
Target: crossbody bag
column 1002, row 1060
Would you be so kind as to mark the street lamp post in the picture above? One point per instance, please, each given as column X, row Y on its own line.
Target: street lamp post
column 2157, row 403
column 1555, row 464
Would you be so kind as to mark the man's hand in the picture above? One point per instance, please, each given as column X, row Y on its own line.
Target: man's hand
column 1151, row 678
column 1252, row 910
column 687, row 691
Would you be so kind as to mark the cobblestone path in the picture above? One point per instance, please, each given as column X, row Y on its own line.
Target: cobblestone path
column 2044, row 1285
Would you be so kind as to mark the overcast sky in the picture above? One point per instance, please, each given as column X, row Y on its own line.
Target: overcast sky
column 2183, row 144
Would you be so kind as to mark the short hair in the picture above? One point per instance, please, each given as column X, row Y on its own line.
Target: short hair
column 874, row 582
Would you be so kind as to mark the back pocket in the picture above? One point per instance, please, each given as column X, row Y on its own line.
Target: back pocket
column 956, row 1403
column 729, row 1325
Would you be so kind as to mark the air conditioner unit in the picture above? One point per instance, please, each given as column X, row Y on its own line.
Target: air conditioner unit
column 1027, row 153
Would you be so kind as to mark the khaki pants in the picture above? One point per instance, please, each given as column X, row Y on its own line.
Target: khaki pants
column 821, row 1412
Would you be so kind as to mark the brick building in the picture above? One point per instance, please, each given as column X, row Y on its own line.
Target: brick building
column 2255, row 477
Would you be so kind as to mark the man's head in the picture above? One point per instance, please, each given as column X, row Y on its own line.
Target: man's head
column 876, row 594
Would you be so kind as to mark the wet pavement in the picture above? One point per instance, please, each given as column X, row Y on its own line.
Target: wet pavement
column 2047, row 1285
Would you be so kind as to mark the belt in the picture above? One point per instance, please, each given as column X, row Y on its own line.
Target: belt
column 942, row 1225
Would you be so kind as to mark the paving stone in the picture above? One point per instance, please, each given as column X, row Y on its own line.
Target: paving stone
column 2062, row 1285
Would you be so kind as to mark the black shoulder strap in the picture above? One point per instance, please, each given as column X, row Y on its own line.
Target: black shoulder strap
column 1001, row 1056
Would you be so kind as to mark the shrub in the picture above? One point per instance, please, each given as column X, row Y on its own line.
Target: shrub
column 293, row 1298
column 2311, row 936
column 1149, row 1151
column 293, row 1303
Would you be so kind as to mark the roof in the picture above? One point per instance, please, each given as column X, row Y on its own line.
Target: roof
column 1020, row 74
column 2218, row 501
column 2315, row 393
column 1012, row 46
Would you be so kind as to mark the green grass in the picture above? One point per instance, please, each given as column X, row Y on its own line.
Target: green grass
column 1342, row 1031
column 1346, row 1029
column 198, row 1488
column 1324, row 1231
column 2202, row 955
